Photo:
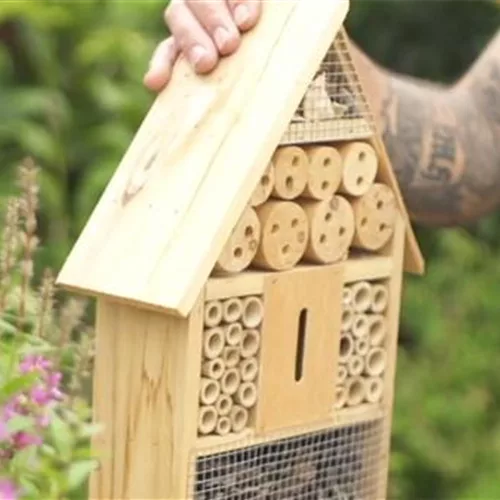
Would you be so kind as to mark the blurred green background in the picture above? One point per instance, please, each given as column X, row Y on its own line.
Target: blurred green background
column 72, row 97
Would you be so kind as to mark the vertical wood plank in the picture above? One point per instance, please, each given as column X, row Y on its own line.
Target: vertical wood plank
column 393, row 319
column 145, row 388
column 283, row 401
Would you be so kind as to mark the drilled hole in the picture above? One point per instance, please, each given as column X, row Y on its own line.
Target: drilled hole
column 341, row 231
column 382, row 227
column 249, row 231
column 359, row 180
column 361, row 156
column 364, row 221
column 322, row 238
column 295, row 223
column 325, row 185
column 285, row 249
column 238, row 252
column 328, row 217
column 295, row 161
column 275, row 228
column 345, row 346
column 213, row 312
column 380, row 204
column 289, row 182
column 265, row 180
column 327, row 162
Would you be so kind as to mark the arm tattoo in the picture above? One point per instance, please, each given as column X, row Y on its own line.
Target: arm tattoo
column 444, row 144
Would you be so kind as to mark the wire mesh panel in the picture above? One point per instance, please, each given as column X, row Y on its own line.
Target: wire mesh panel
column 345, row 463
column 334, row 107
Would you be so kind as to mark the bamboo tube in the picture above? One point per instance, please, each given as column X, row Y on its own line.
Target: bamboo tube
column 207, row 419
column 246, row 395
column 361, row 296
column 355, row 391
column 250, row 343
column 213, row 368
column 340, row 397
column 285, row 231
column 362, row 346
column 375, row 362
column 347, row 296
column 360, row 325
column 249, row 369
column 346, row 347
column 223, row 405
column 230, row 381
column 223, row 426
column 347, row 318
column 331, row 229
column 341, row 374
column 231, row 310
column 233, row 333
column 355, row 365
column 231, row 356
column 290, row 172
column 239, row 418
column 252, row 312
column 374, row 389
column 377, row 330
column 380, row 298
column 324, row 172
column 209, row 391
column 213, row 342
column 240, row 248
column 359, row 167
column 374, row 215
column 213, row 313
column 264, row 188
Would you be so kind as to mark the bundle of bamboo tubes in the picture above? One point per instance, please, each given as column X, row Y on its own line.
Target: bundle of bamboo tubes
column 362, row 350
column 230, row 364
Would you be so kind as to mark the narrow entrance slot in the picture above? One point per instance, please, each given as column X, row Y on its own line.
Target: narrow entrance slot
column 301, row 342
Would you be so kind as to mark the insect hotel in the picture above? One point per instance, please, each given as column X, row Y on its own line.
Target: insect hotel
column 247, row 258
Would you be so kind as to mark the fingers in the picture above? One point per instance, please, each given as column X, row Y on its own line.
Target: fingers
column 215, row 17
column 190, row 36
column 246, row 13
column 161, row 65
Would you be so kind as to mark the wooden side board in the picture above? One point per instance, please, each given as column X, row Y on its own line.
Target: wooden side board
column 145, row 394
column 393, row 317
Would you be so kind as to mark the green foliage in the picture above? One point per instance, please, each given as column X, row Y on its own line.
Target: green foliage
column 45, row 355
column 72, row 96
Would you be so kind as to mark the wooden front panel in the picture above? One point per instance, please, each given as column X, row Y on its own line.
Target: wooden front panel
column 297, row 383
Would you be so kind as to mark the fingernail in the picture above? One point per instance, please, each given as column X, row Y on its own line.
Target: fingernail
column 241, row 15
column 221, row 37
column 196, row 54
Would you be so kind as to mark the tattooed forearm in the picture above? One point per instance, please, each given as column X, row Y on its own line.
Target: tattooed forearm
column 444, row 143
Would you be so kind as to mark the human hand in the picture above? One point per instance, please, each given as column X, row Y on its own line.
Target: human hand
column 202, row 30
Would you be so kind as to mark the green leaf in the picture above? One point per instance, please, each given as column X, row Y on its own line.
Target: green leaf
column 20, row 423
column 79, row 472
column 62, row 437
column 17, row 385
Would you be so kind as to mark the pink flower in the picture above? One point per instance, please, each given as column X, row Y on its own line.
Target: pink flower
column 7, row 490
column 34, row 362
column 24, row 439
column 4, row 432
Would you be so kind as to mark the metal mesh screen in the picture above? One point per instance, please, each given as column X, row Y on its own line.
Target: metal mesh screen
column 345, row 463
column 334, row 107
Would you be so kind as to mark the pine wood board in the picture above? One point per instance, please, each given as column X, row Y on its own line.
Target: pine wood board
column 145, row 394
column 284, row 401
column 190, row 170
